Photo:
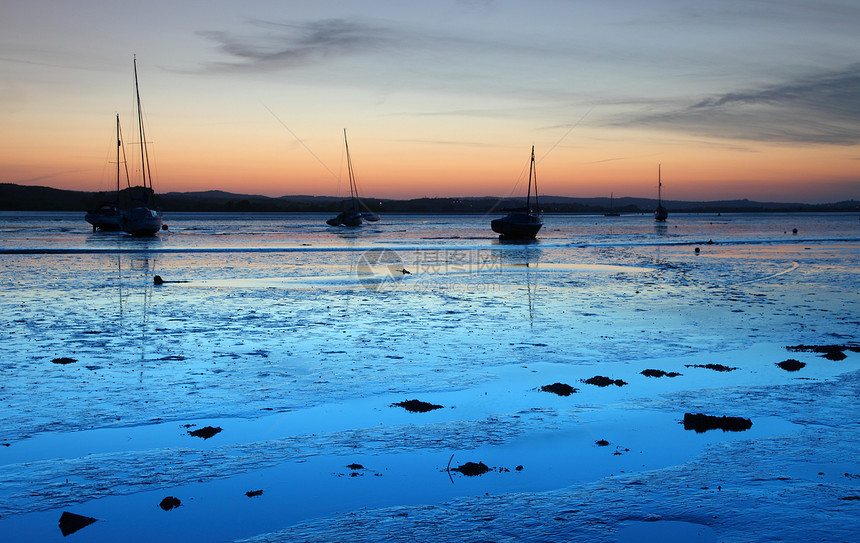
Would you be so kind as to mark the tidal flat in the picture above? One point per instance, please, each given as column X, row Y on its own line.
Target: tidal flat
column 266, row 384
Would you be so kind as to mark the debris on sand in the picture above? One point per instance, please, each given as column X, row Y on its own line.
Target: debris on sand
column 702, row 423
column 715, row 367
column 790, row 364
column 830, row 352
column 659, row 373
column 415, row 406
column 602, row 381
column 470, row 469
column 63, row 360
column 252, row 493
column 601, row 443
column 169, row 503
column 71, row 523
column 561, row 389
column 205, row 432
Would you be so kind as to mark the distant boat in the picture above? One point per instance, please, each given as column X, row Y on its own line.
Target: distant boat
column 353, row 216
column 142, row 217
column 106, row 216
column 611, row 213
column 523, row 223
column 661, row 213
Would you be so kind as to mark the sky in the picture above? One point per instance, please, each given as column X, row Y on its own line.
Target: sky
column 731, row 99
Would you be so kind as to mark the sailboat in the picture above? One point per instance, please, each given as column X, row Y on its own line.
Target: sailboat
column 142, row 217
column 611, row 212
column 523, row 223
column 352, row 216
column 106, row 217
column 661, row 213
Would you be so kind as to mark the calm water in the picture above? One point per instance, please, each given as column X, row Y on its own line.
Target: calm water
column 296, row 338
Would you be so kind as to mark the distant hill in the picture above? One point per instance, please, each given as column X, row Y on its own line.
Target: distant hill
column 29, row 198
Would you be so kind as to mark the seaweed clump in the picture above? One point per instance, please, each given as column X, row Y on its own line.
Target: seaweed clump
column 170, row 502
column 830, row 352
column 601, row 381
column 472, row 469
column 790, row 364
column 415, row 406
column 715, row 367
column 562, row 389
column 205, row 432
column 63, row 360
column 659, row 373
column 71, row 523
column 702, row 423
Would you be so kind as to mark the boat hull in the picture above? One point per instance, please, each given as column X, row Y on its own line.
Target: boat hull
column 142, row 221
column 517, row 226
column 661, row 214
column 106, row 218
column 346, row 219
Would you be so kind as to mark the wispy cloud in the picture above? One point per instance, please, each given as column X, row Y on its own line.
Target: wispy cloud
column 283, row 45
column 822, row 109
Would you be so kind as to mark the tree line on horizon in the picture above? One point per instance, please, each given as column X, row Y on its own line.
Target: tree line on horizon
column 14, row 197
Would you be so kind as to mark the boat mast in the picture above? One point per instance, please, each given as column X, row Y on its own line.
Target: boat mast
column 352, row 188
column 144, row 155
column 659, row 187
column 118, row 145
column 529, row 193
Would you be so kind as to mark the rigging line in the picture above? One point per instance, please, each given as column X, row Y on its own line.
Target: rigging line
column 303, row 143
column 577, row 123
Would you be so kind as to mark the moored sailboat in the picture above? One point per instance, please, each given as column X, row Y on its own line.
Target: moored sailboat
column 352, row 216
column 106, row 216
column 142, row 217
column 611, row 212
column 523, row 223
column 661, row 213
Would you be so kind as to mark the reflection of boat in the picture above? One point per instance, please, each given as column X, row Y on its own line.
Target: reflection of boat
column 142, row 217
column 661, row 213
column 106, row 216
column 353, row 216
column 611, row 213
column 523, row 223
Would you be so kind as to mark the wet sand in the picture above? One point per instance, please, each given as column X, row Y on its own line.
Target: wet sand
column 269, row 398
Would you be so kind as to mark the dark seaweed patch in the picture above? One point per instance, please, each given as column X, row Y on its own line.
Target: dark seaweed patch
column 63, row 360
column 830, row 352
column 471, row 469
column 601, row 381
column 790, row 364
column 205, row 432
column 561, row 389
column 252, row 493
column 702, row 423
column 659, row 373
column 415, row 406
column 715, row 367
column 170, row 502
column 71, row 523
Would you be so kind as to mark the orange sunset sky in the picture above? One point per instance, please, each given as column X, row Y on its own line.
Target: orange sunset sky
column 735, row 99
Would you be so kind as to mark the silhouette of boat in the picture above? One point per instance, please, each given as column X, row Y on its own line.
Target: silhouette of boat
column 522, row 223
column 142, row 217
column 352, row 216
column 611, row 213
column 106, row 216
column 661, row 213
